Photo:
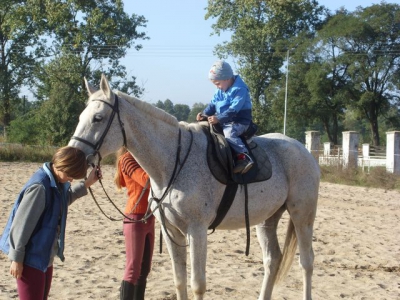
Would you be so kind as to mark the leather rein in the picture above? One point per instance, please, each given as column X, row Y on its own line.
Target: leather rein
column 96, row 147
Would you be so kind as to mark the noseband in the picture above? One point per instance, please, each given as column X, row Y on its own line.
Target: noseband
column 115, row 110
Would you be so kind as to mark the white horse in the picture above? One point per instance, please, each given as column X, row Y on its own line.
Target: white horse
column 190, row 195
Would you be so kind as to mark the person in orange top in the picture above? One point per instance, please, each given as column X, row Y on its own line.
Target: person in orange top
column 139, row 236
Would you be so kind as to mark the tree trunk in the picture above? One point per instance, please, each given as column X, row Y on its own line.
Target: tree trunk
column 375, row 132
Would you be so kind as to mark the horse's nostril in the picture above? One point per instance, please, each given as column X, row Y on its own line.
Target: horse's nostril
column 91, row 159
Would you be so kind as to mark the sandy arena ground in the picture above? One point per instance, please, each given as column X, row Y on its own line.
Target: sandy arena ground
column 356, row 246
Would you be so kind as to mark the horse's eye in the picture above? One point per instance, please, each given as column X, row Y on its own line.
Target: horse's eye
column 97, row 118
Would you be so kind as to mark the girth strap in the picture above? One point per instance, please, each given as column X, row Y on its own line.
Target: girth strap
column 225, row 205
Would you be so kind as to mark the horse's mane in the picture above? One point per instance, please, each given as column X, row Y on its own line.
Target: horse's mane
column 157, row 113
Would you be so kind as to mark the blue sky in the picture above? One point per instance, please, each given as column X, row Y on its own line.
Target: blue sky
column 174, row 63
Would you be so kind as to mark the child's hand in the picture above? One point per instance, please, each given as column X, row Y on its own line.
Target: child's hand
column 213, row 120
column 201, row 117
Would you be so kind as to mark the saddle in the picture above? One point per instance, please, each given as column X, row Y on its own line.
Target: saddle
column 220, row 157
column 220, row 162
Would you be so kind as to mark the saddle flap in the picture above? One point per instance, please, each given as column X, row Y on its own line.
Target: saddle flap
column 220, row 158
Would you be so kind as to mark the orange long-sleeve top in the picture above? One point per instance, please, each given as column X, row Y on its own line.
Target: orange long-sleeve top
column 134, row 178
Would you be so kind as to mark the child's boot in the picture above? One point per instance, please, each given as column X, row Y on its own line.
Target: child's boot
column 243, row 163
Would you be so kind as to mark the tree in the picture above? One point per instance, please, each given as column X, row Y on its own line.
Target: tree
column 160, row 105
column 196, row 108
column 20, row 27
column 58, row 114
column 87, row 38
column 181, row 112
column 367, row 43
column 24, row 130
column 169, row 107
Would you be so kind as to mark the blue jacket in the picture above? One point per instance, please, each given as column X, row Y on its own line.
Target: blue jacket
column 39, row 248
column 233, row 105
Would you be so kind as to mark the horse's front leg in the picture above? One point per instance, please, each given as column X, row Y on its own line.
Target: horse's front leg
column 176, row 244
column 198, row 257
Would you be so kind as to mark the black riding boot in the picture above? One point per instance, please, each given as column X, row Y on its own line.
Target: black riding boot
column 127, row 291
column 139, row 291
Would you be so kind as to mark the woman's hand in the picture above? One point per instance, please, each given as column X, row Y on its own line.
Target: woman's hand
column 94, row 175
column 16, row 269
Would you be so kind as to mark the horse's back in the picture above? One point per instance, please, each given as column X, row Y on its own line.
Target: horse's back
column 292, row 157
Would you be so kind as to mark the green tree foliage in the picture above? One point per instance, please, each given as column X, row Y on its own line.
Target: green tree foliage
column 57, row 115
column 181, row 111
column 160, row 105
column 169, row 107
column 367, row 43
column 20, row 28
column 196, row 108
column 24, row 130
column 316, row 90
column 85, row 39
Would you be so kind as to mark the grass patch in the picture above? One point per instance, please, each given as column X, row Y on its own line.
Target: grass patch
column 376, row 178
column 17, row 152
column 29, row 153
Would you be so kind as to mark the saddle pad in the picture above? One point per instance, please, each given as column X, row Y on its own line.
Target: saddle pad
column 261, row 170
column 220, row 161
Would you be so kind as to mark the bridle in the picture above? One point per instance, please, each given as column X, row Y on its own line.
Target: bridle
column 96, row 147
column 115, row 110
column 96, row 150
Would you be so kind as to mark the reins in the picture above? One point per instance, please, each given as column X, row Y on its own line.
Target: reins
column 175, row 173
column 147, row 215
column 96, row 148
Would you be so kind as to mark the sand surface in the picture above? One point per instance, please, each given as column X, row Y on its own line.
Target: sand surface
column 356, row 246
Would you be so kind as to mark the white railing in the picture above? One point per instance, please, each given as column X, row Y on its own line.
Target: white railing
column 364, row 162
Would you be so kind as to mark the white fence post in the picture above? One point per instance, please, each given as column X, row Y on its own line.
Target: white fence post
column 327, row 149
column 365, row 151
column 312, row 143
column 393, row 152
column 350, row 149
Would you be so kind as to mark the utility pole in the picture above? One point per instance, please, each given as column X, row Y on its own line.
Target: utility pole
column 286, row 91
column 24, row 104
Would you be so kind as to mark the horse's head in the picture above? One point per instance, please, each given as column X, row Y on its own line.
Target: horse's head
column 100, row 130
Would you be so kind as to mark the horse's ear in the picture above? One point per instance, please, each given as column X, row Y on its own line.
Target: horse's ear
column 90, row 89
column 105, row 87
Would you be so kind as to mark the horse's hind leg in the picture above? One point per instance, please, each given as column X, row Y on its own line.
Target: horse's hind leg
column 176, row 244
column 268, row 239
column 303, row 219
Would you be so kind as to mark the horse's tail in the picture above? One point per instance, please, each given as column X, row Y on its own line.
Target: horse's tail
column 289, row 250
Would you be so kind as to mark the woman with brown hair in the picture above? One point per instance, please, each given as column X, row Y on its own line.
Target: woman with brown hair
column 35, row 231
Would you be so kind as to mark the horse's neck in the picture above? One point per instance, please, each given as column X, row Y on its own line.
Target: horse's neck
column 153, row 142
